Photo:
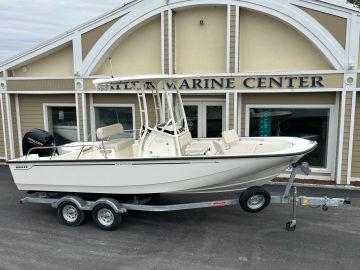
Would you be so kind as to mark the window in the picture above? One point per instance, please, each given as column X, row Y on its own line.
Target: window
column 106, row 115
column 205, row 118
column 307, row 123
column 61, row 122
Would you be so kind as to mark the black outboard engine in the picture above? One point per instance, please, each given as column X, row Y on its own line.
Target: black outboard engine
column 38, row 138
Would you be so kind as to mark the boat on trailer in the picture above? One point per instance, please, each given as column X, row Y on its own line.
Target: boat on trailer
column 164, row 158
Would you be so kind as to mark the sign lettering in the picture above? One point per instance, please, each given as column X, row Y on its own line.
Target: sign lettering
column 222, row 83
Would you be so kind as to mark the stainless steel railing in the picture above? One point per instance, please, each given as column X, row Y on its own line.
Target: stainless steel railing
column 55, row 147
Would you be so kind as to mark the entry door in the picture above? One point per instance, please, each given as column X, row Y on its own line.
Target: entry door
column 205, row 119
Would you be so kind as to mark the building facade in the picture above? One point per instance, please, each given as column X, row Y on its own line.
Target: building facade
column 269, row 68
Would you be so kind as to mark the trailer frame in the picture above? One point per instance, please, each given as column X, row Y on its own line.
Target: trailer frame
column 139, row 203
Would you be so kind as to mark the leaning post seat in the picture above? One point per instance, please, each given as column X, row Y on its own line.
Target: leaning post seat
column 230, row 137
column 116, row 145
column 108, row 131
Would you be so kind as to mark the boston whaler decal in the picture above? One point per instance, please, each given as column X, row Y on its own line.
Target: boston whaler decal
column 22, row 167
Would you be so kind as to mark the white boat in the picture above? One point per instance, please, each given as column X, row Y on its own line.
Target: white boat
column 163, row 159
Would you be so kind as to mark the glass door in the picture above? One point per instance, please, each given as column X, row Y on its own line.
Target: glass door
column 192, row 116
column 205, row 119
column 214, row 120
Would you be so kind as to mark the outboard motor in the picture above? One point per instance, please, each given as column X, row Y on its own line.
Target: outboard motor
column 38, row 138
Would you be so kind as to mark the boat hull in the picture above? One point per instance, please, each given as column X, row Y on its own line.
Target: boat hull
column 142, row 176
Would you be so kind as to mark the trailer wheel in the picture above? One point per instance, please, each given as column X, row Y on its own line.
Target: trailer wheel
column 106, row 218
column 254, row 199
column 69, row 214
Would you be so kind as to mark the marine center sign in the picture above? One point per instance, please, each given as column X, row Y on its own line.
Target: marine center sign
column 240, row 82
column 250, row 83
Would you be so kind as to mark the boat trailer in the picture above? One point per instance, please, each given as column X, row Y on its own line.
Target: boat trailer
column 107, row 212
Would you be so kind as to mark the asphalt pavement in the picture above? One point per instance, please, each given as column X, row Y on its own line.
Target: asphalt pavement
column 218, row 238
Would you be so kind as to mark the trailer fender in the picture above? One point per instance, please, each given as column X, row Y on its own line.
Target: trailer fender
column 114, row 204
column 79, row 202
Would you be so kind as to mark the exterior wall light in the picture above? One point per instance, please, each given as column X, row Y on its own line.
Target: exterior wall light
column 202, row 22
column 349, row 80
column 78, row 85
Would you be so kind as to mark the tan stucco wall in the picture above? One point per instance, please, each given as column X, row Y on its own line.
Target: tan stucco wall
column 41, row 85
column 31, row 113
column 232, row 38
column 89, row 39
column 138, row 53
column 166, row 43
column 334, row 24
column 267, row 44
column 231, row 110
column 200, row 49
column 58, row 64
column 356, row 143
column 286, row 98
column 80, row 115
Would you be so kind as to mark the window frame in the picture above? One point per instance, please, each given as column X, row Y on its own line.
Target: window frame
column 331, row 136
column 201, row 105
column 106, row 105
column 46, row 115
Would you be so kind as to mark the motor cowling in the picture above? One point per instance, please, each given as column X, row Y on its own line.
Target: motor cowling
column 38, row 138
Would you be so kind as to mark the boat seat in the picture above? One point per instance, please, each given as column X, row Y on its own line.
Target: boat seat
column 184, row 141
column 218, row 148
column 108, row 131
column 230, row 137
column 118, row 145
column 197, row 149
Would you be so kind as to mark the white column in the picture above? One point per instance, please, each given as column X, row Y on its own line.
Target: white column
column 239, row 102
column 10, row 126
column 77, row 54
column 3, row 124
column 227, row 111
column 18, row 123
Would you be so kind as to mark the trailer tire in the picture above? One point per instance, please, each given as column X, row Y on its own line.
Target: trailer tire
column 254, row 199
column 106, row 218
column 69, row 214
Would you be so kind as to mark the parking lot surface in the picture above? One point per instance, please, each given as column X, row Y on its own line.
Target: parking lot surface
column 218, row 238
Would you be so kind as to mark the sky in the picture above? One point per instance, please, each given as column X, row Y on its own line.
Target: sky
column 26, row 23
